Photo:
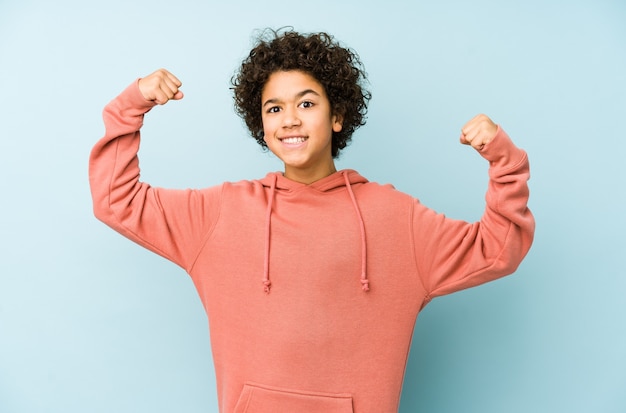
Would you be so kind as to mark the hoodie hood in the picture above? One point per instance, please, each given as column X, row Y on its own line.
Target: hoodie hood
column 333, row 181
column 276, row 182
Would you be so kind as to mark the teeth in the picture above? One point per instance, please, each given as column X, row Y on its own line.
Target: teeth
column 294, row 140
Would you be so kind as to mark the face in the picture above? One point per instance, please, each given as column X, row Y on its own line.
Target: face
column 298, row 125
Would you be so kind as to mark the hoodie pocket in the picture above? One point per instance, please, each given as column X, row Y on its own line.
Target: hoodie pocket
column 256, row 398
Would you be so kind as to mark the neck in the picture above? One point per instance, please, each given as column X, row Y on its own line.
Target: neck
column 309, row 176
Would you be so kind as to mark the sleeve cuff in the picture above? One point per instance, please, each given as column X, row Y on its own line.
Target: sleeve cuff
column 501, row 151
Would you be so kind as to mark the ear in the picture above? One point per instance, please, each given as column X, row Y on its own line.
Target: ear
column 337, row 121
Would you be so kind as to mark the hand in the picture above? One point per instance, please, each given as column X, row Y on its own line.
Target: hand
column 160, row 87
column 478, row 132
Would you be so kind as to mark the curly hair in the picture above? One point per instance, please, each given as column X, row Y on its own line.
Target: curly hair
column 338, row 69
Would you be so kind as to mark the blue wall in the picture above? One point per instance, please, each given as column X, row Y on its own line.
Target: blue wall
column 90, row 322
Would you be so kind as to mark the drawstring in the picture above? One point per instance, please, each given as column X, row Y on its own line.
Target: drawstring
column 365, row 284
column 268, row 219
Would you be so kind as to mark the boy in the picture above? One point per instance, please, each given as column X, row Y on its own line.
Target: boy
column 312, row 279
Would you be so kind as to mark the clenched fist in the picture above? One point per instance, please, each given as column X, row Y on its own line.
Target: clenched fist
column 478, row 132
column 160, row 87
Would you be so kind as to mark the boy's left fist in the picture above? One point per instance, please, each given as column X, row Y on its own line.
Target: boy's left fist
column 478, row 132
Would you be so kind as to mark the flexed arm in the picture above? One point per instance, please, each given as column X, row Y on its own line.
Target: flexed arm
column 451, row 254
column 168, row 222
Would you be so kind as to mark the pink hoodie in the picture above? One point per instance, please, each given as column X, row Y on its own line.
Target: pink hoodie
column 311, row 291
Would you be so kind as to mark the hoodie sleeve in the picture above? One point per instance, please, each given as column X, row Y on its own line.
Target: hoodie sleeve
column 452, row 255
column 171, row 223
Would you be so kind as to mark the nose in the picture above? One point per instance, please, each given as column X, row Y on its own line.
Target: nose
column 290, row 118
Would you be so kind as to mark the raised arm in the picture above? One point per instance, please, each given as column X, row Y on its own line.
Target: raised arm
column 168, row 222
column 451, row 254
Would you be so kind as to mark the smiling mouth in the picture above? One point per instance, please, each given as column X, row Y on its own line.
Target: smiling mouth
column 293, row 139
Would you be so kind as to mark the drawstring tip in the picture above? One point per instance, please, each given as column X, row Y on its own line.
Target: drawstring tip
column 266, row 287
column 365, row 285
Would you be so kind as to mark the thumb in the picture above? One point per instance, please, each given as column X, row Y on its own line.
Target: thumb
column 463, row 140
column 178, row 95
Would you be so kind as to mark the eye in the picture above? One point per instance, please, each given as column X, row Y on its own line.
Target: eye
column 307, row 104
column 273, row 109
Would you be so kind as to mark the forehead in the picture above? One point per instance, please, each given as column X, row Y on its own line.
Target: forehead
column 285, row 84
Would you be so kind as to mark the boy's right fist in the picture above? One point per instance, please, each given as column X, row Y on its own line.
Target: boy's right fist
column 160, row 87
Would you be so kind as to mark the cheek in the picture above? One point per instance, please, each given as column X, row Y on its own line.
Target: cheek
column 270, row 125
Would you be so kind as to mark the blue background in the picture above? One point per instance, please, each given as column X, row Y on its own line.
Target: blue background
column 90, row 322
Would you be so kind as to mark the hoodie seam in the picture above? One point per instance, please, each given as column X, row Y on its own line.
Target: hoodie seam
column 160, row 251
column 418, row 271
column 469, row 275
column 209, row 232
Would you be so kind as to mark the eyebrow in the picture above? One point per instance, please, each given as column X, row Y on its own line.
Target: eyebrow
column 298, row 96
